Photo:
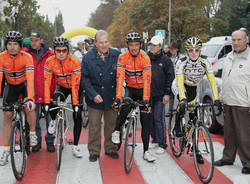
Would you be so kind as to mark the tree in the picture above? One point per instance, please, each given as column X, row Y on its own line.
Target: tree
column 235, row 13
column 22, row 15
column 59, row 28
column 103, row 16
column 19, row 14
column 121, row 24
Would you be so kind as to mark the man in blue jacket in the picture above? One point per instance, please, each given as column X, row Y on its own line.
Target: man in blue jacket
column 99, row 82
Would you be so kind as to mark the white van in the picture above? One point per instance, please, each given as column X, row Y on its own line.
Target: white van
column 216, row 50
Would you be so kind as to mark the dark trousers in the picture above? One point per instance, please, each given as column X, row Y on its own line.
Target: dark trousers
column 136, row 94
column 158, row 125
column 237, row 134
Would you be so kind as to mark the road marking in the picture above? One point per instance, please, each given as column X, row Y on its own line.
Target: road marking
column 233, row 172
column 163, row 170
column 41, row 168
column 78, row 170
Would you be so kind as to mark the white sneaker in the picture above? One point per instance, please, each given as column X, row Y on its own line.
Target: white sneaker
column 33, row 140
column 76, row 152
column 148, row 157
column 152, row 145
column 116, row 137
column 4, row 158
column 52, row 127
column 160, row 151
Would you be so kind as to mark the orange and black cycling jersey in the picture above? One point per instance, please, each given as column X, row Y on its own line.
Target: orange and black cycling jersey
column 67, row 73
column 136, row 71
column 17, row 70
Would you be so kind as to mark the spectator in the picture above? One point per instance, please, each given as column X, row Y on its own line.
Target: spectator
column 236, row 99
column 162, row 77
column 166, row 48
column 40, row 52
column 99, row 82
column 80, row 50
column 89, row 43
column 174, row 52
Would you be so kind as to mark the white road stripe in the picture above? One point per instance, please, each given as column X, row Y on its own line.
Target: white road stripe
column 6, row 174
column 78, row 170
column 163, row 170
column 232, row 172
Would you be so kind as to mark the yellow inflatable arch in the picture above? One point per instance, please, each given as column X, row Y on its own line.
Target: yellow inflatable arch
column 80, row 31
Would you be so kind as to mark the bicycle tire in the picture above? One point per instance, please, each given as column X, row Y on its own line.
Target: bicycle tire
column 129, row 145
column 59, row 143
column 27, row 138
column 85, row 117
column 202, row 140
column 176, row 143
column 17, row 141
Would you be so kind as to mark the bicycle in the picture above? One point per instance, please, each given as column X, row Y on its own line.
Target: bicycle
column 19, row 140
column 61, row 128
column 128, row 132
column 201, row 140
column 84, row 112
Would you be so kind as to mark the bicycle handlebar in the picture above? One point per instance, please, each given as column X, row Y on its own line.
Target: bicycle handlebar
column 16, row 106
column 200, row 105
column 59, row 105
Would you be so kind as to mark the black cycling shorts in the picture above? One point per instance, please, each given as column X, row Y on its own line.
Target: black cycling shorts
column 12, row 93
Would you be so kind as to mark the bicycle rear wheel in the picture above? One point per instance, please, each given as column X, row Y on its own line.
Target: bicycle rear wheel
column 129, row 144
column 176, row 143
column 203, row 145
column 17, row 151
column 85, row 117
column 59, row 143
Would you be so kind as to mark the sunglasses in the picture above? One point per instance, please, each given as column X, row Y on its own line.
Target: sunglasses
column 193, row 50
column 58, row 51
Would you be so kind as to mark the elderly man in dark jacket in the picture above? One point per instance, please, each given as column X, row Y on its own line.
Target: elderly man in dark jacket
column 162, row 77
column 99, row 82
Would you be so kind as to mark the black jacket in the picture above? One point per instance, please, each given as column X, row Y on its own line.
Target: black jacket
column 162, row 75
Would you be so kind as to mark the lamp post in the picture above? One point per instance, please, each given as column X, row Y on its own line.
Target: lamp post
column 169, row 23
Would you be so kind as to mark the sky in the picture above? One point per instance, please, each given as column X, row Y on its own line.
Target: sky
column 75, row 12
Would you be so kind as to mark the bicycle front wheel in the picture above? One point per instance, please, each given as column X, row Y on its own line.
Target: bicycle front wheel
column 176, row 143
column 129, row 144
column 59, row 143
column 203, row 146
column 17, row 151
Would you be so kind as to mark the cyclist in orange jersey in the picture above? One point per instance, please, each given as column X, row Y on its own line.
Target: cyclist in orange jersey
column 17, row 66
column 135, row 66
column 67, row 71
